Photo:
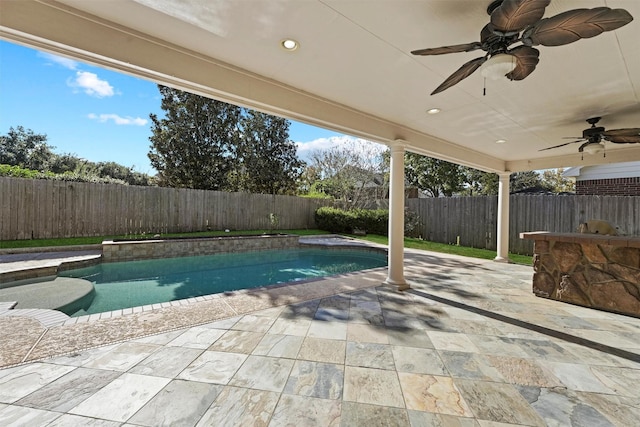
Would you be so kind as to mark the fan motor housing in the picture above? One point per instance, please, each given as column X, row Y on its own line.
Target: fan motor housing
column 588, row 133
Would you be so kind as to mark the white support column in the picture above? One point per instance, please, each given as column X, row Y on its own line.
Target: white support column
column 503, row 218
column 396, row 218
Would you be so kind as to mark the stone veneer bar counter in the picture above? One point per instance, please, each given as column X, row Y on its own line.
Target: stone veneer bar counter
column 590, row 270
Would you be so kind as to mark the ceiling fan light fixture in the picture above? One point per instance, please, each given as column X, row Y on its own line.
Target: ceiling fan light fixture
column 497, row 66
column 594, row 148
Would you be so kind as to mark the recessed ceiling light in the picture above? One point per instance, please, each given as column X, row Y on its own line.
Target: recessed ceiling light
column 433, row 111
column 289, row 44
column 501, row 141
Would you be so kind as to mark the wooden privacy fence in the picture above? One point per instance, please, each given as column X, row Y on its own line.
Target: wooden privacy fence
column 474, row 219
column 34, row 209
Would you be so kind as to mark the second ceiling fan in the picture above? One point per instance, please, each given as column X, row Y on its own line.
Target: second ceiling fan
column 520, row 21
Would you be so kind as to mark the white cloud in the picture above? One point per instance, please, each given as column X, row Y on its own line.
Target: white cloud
column 91, row 84
column 306, row 148
column 60, row 60
column 118, row 120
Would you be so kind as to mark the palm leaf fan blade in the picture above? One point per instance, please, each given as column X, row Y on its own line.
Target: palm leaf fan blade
column 623, row 136
column 526, row 60
column 467, row 47
column 462, row 73
column 573, row 25
column 514, row 15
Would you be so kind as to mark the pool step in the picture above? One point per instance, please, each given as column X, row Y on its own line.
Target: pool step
column 47, row 317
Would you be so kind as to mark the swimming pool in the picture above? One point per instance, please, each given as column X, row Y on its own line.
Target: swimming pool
column 127, row 284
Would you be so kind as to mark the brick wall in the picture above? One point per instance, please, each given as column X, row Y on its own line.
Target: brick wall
column 609, row 187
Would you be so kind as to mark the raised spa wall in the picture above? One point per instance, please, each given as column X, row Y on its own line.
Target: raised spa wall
column 149, row 249
column 590, row 270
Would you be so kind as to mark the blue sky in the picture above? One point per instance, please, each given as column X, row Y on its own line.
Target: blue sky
column 92, row 112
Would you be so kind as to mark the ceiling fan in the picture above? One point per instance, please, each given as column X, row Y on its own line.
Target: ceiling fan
column 592, row 137
column 520, row 21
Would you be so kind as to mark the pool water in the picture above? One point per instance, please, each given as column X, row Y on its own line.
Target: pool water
column 121, row 285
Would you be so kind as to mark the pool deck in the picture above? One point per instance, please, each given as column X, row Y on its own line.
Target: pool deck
column 468, row 345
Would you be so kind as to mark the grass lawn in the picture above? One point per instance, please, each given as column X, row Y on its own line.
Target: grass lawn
column 408, row 242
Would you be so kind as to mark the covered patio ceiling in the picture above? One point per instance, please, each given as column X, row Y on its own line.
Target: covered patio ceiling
column 353, row 71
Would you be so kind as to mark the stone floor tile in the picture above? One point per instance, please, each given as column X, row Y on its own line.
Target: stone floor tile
column 525, row 372
column 621, row 411
column 366, row 316
column 418, row 360
column 367, row 333
column 469, row 365
column 623, row 381
column 237, row 342
column 590, row 356
column 69, row 390
column 180, row 403
column 122, row 357
column 197, row 337
column 408, row 337
column 314, row 379
column 431, row 393
column 499, row 346
column 68, row 420
column 263, row 373
column 160, row 339
column 323, row 350
column 360, row 414
column 369, row 355
column 301, row 411
column 610, row 338
column 331, row 314
column 253, row 323
column 222, row 324
column 240, row 407
column 23, row 380
column 546, row 349
column 430, row 419
column 452, row 341
column 276, row 345
column 167, row 361
column 372, row 386
column 121, row 398
column 21, row 416
column 301, row 310
column 79, row 358
column 497, row 402
column 578, row 377
column 291, row 326
column 559, row 406
column 328, row 330
column 213, row 367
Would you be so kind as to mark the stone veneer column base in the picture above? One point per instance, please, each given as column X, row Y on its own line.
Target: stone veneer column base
column 590, row 270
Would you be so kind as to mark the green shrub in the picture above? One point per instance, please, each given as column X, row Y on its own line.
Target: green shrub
column 372, row 221
column 346, row 221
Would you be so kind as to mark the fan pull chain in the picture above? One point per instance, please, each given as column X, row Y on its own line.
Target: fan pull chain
column 484, row 87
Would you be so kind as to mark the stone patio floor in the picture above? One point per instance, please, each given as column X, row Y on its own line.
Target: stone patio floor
column 468, row 345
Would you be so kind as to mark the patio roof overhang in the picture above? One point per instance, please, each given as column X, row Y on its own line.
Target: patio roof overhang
column 353, row 72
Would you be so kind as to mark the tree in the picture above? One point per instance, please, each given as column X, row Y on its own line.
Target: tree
column 434, row 177
column 25, row 148
column 353, row 173
column 266, row 160
column 193, row 145
column 208, row 144
column 479, row 183
column 554, row 179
